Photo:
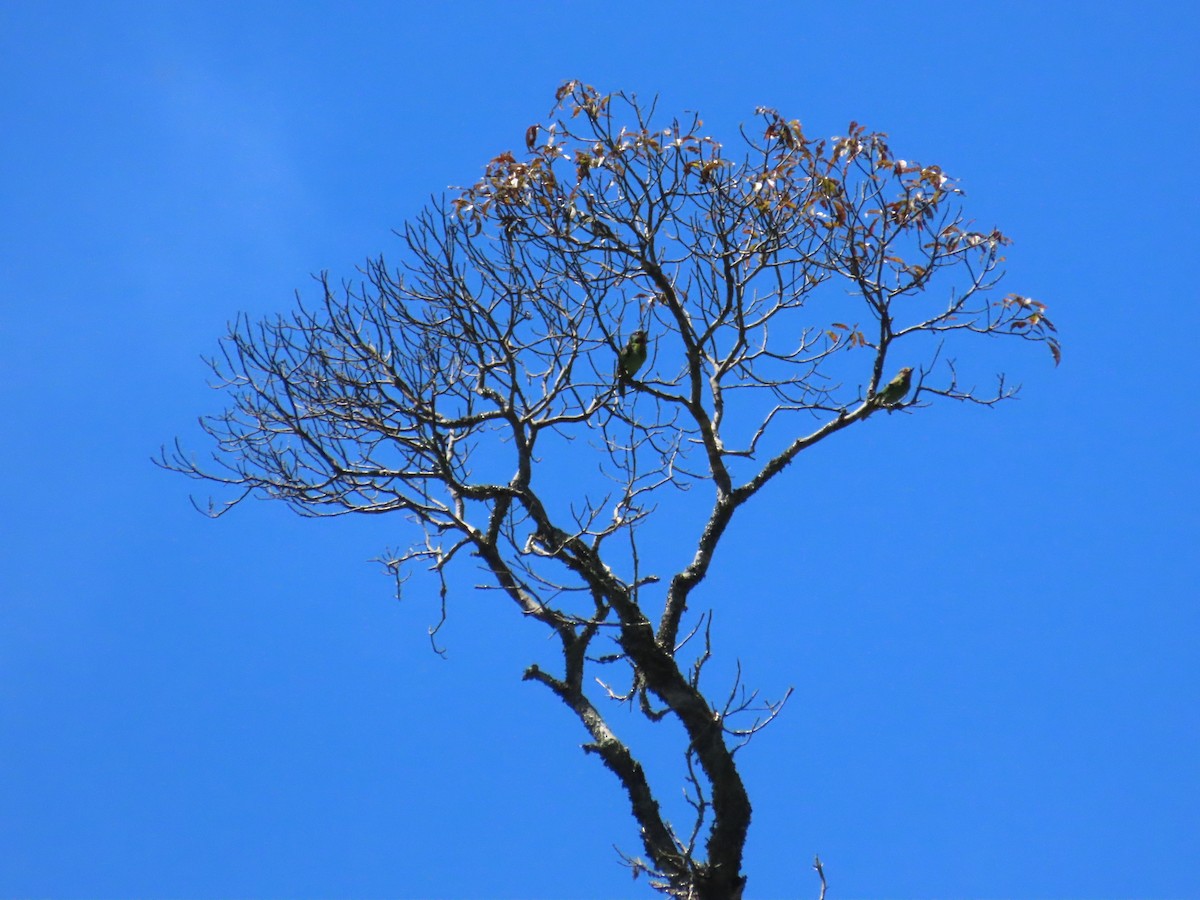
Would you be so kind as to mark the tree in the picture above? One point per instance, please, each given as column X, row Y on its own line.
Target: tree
column 781, row 291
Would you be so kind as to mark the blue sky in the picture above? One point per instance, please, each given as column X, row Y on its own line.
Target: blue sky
column 993, row 643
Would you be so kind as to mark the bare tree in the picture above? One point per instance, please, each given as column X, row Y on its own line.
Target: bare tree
column 780, row 290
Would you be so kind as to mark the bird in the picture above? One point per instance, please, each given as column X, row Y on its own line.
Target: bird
column 630, row 359
column 895, row 390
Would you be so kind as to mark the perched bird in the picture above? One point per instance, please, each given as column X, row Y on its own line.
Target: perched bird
column 630, row 359
column 896, row 388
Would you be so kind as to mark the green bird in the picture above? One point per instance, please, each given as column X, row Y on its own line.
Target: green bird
column 896, row 388
column 630, row 359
